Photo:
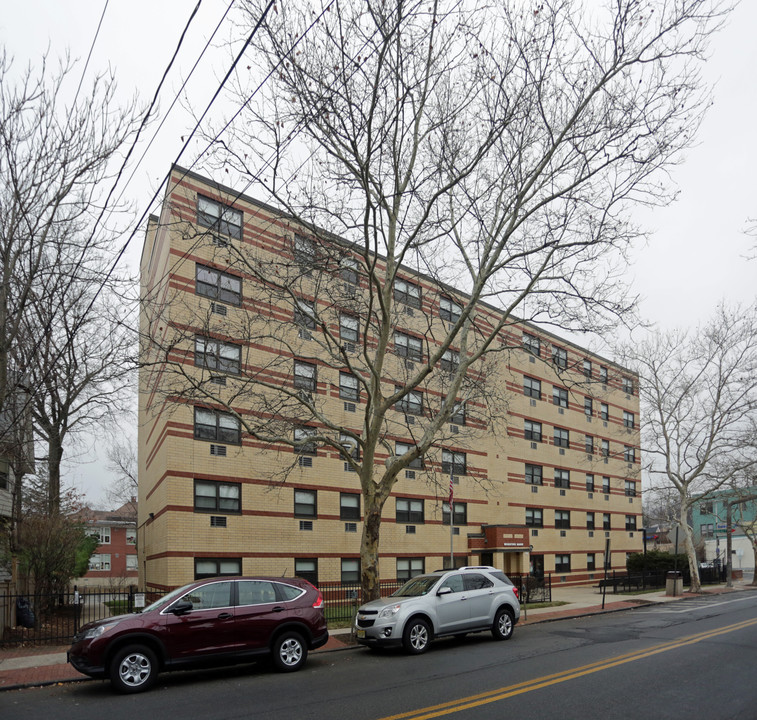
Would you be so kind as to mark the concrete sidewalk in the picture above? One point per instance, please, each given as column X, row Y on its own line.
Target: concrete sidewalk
column 36, row 666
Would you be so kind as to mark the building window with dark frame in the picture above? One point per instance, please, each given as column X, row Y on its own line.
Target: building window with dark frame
column 219, row 217
column 604, row 411
column 531, row 387
column 630, row 488
column 589, row 444
column 349, row 328
column 603, row 375
column 305, row 376
column 591, row 562
column 218, row 355
column 628, row 386
column 588, row 406
column 589, row 482
column 589, row 520
column 408, row 346
column 304, row 251
column 562, row 519
column 630, row 523
column 349, row 506
column 605, row 485
column 604, row 448
column 560, row 397
column 410, row 510
column 407, row 293
column 408, row 568
column 628, row 419
column 458, row 414
column 562, row 478
column 304, row 314
column 216, row 426
column 606, row 521
column 587, row 369
column 349, row 387
column 562, row 564
column 349, row 270
column 450, row 361
column 534, row 517
column 562, row 437
column 217, row 285
column 532, row 430
column 402, row 448
column 307, row 569
column 454, row 462
column 350, row 570
column 305, row 503
column 532, row 344
column 217, row 497
column 559, row 357
column 304, row 442
column 449, row 310
column 534, row 474
column 460, row 513
column 629, row 454
column 411, row 403
column 217, row 567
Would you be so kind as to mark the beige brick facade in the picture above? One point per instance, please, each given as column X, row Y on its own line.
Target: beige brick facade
column 512, row 518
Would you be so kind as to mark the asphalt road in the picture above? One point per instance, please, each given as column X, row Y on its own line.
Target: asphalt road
column 692, row 658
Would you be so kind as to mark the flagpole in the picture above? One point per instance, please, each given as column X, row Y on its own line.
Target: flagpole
column 451, row 517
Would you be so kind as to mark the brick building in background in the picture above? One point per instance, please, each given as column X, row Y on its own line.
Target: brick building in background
column 542, row 487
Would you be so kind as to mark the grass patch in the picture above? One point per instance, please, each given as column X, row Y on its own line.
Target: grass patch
column 539, row 605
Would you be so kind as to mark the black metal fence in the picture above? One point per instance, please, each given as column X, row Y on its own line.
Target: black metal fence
column 627, row 582
column 532, row 588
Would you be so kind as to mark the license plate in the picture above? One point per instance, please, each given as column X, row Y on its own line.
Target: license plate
column 361, row 633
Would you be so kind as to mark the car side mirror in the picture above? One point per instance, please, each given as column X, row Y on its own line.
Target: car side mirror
column 444, row 591
column 181, row 608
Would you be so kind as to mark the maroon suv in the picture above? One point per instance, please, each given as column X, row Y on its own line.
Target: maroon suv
column 209, row 622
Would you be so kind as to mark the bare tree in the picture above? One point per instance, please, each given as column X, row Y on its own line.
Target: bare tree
column 122, row 462
column 495, row 148
column 699, row 397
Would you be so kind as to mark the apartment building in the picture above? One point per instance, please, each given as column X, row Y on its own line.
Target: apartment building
column 542, row 455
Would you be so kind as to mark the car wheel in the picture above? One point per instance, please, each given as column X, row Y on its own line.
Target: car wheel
column 416, row 637
column 133, row 669
column 289, row 652
column 503, row 626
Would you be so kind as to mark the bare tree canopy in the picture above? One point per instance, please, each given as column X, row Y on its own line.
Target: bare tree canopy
column 496, row 148
column 698, row 394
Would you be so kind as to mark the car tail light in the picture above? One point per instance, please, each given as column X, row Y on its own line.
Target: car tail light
column 319, row 600
column 515, row 590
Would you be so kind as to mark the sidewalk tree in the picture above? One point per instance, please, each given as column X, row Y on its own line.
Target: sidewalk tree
column 698, row 393
column 495, row 148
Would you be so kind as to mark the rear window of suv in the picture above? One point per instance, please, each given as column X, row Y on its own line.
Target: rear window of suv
column 501, row 576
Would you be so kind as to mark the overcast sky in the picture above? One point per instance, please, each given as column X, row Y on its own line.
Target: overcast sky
column 697, row 253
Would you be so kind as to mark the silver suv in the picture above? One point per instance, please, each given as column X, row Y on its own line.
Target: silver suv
column 446, row 602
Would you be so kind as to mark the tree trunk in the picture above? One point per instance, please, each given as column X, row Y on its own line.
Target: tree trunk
column 54, row 458
column 688, row 548
column 369, row 549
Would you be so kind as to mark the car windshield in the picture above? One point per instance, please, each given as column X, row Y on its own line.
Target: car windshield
column 417, row 586
column 166, row 599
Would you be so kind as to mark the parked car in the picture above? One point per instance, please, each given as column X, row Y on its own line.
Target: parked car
column 215, row 621
column 446, row 602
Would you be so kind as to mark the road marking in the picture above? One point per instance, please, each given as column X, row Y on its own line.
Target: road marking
column 491, row 696
column 693, row 605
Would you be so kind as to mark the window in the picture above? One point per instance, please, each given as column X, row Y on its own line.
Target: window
column 707, row 530
column 534, row 517
column 591, row 562
column 131, row 536
column 304, row 444
column 606, row 521
column 706, row 507
column 562, row 519
column 589, row 520
column 630, row 523
column 217, row 426
column 604, row 411
column 349, row 389
column 218, row 355
column 531, row 344
column 411, row 403
column 407, row 293
column 629, row 454
column 349, row 506
column 348, row 270
column 218, row 285
column 460, row 513
column 630, row 488
column 449, row 310
column 215, row 567
column 588, row 406
column 606, row 485
column 219, row 497
column 101, row 534
column 532, row 430
column 587, row 369
column 562, row 478
column 350, row 570
column 589, row 444
column 408, row 346
column 402, row 448
column 534, row 474
column 409, row 510
column 99, row 562
column 307, row 569
column 458, row 414
column 562, row 437
column 603, row 374
column 348, row 328
column 305, row 376
column 628, row 386
column 454, row 462
column 562, row 563
column 305, row 504
column 589, row 482
column 218, row 217
column 304, row 314
column 304, row 252
column 560, row 397
column 450, row 361
column 532, row 387
column 604, row 448
column 409, row 567
column 628, row 419
column 559, row 357
column 131, row 563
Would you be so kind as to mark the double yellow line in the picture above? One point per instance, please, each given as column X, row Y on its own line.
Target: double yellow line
column 473, row 701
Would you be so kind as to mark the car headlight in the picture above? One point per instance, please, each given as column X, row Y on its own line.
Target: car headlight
column 99, row 630
column 389, row 611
